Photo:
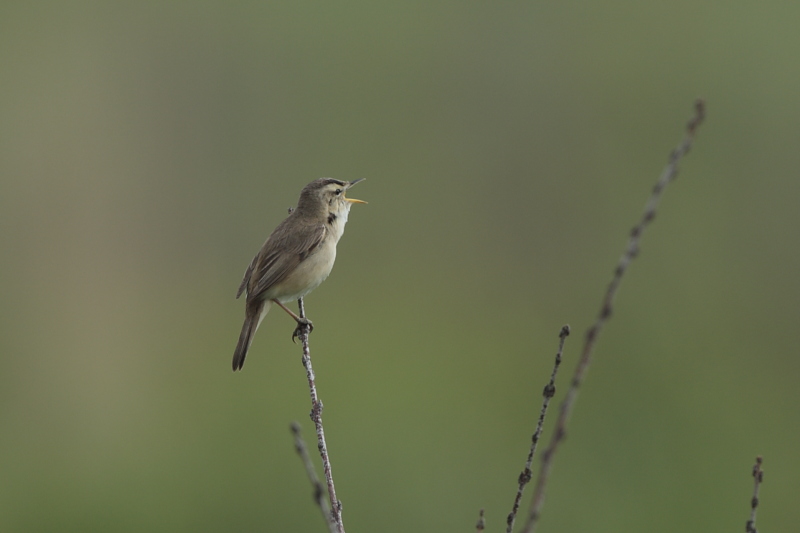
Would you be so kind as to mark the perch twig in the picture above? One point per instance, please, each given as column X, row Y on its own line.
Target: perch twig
column 316, row 417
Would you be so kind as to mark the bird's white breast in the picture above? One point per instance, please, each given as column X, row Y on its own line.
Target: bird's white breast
column 310, row 273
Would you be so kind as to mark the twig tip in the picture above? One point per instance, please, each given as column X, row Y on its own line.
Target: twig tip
column 699, row 115
column 481, row 525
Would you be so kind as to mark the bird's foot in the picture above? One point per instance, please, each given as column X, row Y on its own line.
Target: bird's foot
column 304, row 326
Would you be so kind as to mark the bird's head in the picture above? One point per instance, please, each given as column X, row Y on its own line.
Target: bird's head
column 327, row 195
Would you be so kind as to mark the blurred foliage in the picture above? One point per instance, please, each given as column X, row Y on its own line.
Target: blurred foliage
column 148, row 148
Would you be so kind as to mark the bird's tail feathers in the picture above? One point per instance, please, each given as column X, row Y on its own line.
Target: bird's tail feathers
column 252, row 319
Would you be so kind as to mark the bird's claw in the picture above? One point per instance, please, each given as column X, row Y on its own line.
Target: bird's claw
column 304, row 325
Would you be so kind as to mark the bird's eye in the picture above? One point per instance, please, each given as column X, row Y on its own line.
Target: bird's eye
column 338, row 191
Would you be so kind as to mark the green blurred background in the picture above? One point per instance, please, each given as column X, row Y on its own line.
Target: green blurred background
column 147, row 149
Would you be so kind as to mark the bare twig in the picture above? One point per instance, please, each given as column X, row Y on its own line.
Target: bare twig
column 758, row 476
column 316, row 417
column 548, row 392
column 669, row 173
column 319, row 498
column 481, row 523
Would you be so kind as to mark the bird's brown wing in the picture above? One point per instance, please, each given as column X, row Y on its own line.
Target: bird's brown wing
column 246, row 278
column 280, row 256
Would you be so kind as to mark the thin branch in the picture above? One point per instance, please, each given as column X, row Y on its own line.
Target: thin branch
column 319, row 498
column 481, row 523
column 548, row 392
column 758, row 476
column 316, row 417
column 669, row 173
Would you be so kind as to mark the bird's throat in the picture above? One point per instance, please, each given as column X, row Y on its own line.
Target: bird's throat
column 337, row 220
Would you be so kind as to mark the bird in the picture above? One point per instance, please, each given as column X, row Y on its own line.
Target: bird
column 296, row 257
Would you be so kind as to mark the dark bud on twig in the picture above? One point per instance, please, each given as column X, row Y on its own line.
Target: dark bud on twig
column 757, row 472
column 699, row 115
column 674, row 156
column 481, row 522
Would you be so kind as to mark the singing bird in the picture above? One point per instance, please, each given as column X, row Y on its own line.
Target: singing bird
column 296, row 258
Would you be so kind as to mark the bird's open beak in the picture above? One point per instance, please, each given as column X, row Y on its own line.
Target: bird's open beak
column 353, row 200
